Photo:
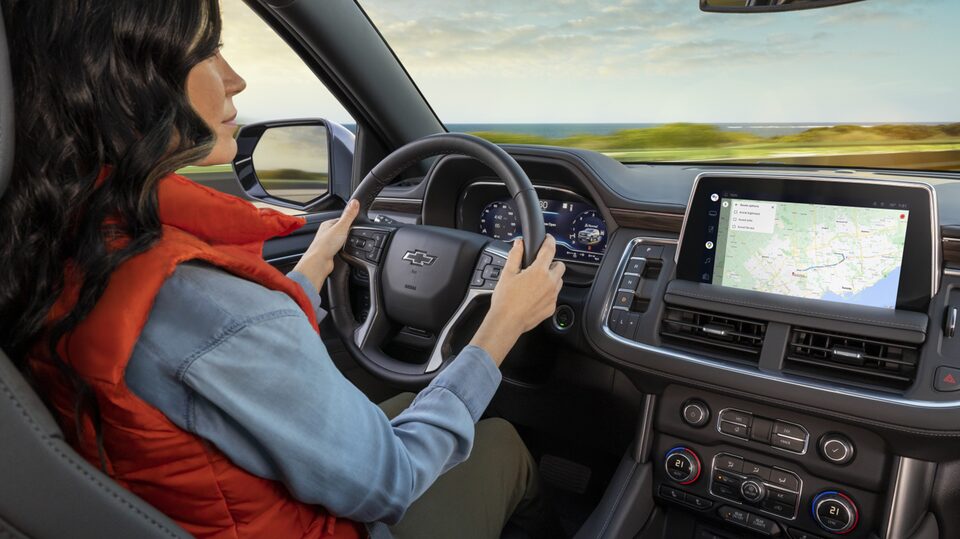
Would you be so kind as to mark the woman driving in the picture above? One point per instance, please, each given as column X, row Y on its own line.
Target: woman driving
column 176, row 358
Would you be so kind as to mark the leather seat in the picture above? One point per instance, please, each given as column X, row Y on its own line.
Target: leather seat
column 46, row 489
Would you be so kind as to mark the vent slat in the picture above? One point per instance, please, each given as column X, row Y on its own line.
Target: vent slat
column 855, row 360
column 729, row 336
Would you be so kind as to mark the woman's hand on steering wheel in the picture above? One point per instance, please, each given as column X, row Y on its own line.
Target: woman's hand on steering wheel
column 317, row 263
column 521, row 300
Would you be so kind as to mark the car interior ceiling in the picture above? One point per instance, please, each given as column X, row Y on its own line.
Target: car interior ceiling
column 657, row 403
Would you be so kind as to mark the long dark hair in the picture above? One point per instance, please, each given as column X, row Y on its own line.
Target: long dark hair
column 100, row 87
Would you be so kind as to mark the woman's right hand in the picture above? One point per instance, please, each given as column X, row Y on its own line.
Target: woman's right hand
column 522, row 299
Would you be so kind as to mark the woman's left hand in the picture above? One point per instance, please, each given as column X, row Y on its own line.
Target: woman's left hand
column 317, row 263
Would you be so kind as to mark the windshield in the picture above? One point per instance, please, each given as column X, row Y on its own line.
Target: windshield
column 869, row 84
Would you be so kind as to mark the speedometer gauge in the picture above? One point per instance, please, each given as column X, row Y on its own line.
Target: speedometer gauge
column 588, row 232
column 499, row 221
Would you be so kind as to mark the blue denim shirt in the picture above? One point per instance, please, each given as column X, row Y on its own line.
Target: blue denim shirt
column 239, row 365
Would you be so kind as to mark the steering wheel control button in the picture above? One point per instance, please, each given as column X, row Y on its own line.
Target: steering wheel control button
column 752, row 491
column 836, row 448
column 682, row 465
column 947, row 379
column 696, row 413
column 835, row 512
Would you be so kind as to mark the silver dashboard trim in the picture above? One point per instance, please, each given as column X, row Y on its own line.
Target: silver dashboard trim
column 824, row 387
column 936, row 243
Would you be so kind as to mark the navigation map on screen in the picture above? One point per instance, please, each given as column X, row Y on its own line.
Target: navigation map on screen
column 834, row 253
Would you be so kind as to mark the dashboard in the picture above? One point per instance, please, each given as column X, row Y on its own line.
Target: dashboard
column 796, row 327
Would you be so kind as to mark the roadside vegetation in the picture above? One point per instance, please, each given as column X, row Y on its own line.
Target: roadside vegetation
column 704, row 142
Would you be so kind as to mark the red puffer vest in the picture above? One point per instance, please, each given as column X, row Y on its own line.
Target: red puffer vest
column 180, row 474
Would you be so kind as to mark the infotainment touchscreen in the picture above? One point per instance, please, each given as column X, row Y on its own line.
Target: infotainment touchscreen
column 836, row 253
column 858, row 242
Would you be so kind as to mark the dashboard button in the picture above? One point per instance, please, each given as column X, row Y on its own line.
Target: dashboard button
column 726, row 478
column 789, row 429
column 623, row 299
column 948, row 379
column 836, row 448
column 760, row 430
column 730, row 514
column 784, row 479
column 650, row 252
column 630, row 282
column 758, row 470
column 782, row 496
column 736, row 416
column 778, row 508
column 671, row 493
column 734, row 429
column 635, row 265
column 697, row 501
column 762, row 524
column 696, row 413
column 790, row 444
column 729, row 463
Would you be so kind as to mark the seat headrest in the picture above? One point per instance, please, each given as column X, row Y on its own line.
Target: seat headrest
column 6, row 111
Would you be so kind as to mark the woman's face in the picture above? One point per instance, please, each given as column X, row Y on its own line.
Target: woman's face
column 211, row 86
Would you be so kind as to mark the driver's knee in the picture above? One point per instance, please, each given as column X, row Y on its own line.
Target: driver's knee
column 498, row 443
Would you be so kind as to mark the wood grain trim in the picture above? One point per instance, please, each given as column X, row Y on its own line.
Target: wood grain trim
column 397, row 205
column 951, row 251
column 648, row 220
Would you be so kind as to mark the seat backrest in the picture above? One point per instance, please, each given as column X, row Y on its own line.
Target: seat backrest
column 46, row 489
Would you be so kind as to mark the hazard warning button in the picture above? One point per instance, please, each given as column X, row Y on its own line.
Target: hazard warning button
column 948, row 379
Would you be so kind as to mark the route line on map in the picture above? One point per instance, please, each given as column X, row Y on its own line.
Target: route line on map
column 842, row 260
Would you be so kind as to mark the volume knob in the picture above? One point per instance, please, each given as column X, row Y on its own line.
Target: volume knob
column 682, row 465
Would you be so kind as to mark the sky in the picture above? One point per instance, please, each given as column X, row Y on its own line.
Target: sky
column 625, row 61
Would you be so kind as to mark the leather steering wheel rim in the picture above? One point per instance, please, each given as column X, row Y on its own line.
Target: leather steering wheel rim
column 525, row 200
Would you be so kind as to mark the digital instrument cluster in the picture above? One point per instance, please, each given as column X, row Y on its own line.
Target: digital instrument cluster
column 579, row 229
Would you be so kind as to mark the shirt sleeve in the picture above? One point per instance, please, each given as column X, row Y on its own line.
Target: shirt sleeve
column 269, row 396
column 311, row 291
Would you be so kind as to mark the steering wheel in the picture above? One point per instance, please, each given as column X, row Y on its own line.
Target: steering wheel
column 424, row 277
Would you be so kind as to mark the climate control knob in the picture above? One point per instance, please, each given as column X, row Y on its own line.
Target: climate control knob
column 682, row 465
column 835, row 512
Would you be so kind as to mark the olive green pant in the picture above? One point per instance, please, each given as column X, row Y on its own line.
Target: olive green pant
column 475, row 499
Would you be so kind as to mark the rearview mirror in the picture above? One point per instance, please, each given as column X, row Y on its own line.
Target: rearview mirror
column 761, row 6
column 291, row 163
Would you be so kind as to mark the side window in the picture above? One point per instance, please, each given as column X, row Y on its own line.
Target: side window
column 279, row 87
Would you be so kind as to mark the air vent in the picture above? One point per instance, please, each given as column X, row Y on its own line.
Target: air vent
column 736, row 338
column 855, row 360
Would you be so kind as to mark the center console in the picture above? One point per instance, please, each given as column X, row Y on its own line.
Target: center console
column 796, row 338
column 764, row 470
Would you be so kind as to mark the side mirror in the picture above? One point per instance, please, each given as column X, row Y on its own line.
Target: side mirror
column 766, row 6
column 293, row 163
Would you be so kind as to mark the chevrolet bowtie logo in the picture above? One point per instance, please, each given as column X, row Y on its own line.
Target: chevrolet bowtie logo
column 419, row 258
